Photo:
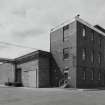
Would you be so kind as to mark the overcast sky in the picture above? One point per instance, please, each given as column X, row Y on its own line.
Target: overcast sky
column 28, row 22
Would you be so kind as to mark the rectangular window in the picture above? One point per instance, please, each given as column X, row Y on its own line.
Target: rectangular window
column 92, row 57
column 84, row 54
column 65, row 53
column 92, row 35
column 1, row 63
column 84, row 75
column 99, row 76
column 92, row 75
column 100, row 39
column 65, row 32
column 83, row 32
column 99, row 58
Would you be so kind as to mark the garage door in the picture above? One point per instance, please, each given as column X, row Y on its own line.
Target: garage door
column 32, row 78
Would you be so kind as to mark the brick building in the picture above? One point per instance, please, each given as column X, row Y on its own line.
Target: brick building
column 78, row 50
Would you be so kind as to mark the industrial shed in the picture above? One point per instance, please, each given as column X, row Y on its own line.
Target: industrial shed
column 30, row 70
column 33, row 69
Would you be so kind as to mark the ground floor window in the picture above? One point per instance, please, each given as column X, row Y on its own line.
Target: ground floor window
column 83, row 75
column 92, row 75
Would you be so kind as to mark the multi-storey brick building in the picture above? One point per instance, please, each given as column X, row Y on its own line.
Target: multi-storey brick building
column 78, row 50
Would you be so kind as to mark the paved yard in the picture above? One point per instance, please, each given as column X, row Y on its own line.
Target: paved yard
column 25, row 96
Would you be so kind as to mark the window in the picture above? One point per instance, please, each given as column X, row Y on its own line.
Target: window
column 84, row 75
column 99, row 58
column 66, row 69
column 99, row 76
column 65, row 32
column 92, row 57
column 100, row 39
column 84, row 54
column 65, row 53
column 83, row 32
column 92, row 35
column 1, row 63
column 92, row 75
column 66, row 75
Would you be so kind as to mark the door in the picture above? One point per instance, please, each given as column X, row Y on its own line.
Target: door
column 32, row 78
column 18, row 77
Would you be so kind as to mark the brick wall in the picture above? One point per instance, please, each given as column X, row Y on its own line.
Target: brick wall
column 87, row 65
column 57, row 45
column 44, row 72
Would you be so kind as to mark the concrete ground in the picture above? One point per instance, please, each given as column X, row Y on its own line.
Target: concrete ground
column 50, row 96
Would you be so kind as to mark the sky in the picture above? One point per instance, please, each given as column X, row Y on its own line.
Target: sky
column 28, row 22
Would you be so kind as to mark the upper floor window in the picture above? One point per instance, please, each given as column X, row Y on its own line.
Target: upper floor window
column 65, row 53
column 100, row 39
column 84, row 54
column 92, row 57
column 99, row 76
column 92, row 35
column 83, row 32
column 99, row 58
column 65, row 32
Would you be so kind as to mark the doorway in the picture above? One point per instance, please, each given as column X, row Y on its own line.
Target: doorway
column 18, row 75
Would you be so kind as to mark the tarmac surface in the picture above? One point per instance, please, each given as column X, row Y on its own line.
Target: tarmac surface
column 50, row 96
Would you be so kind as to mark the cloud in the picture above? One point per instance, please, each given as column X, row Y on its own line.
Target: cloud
column 28, row 33
column 21, row 13
column 28, row 22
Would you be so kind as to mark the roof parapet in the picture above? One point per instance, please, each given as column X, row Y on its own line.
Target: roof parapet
column 77, row 18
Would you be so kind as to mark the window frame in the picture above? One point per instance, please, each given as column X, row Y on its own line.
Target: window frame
column 84, row 75
column 99, row 75
column 92, row 57
column 84, row 32
column 92, row 35
column 65, row 53
column 65, row 28
column 92, row 75
column 99, row 58
column 84, row 54
column 100, row 40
